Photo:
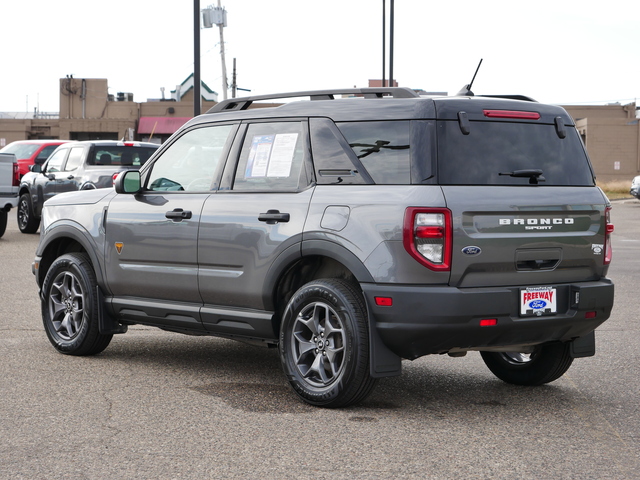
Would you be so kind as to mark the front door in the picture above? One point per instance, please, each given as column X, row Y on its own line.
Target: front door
column 152, row 237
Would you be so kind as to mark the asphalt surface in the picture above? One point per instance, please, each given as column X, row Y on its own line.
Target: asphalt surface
column 158, row 405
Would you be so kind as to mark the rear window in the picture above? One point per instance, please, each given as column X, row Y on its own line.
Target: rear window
column 492, row 148
column 120, row 155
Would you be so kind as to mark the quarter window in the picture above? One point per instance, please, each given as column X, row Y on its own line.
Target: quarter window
column 383, row 149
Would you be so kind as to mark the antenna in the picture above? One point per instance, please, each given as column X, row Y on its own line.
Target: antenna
column 466, row 90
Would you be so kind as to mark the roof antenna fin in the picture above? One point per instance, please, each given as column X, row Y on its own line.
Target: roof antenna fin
column 466, row 90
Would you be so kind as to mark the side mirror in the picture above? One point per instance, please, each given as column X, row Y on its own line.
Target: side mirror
column 128, row 182
column 36, row 168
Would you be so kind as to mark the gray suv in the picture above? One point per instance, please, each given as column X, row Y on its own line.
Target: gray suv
column 351, row 233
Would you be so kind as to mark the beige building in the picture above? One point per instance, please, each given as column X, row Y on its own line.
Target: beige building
column 87, row 112
column 611, row 134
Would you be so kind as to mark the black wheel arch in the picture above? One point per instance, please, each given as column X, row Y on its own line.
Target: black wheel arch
column 318, row 259
column 67, row 239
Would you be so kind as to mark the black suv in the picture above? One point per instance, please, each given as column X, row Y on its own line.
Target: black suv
column 351, row 233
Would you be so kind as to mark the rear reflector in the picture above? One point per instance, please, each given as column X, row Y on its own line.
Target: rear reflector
column 384, row 301
column 590, row 315
column 488, row 322
column 511, row 114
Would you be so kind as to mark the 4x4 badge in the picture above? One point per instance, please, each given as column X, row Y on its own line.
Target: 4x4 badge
column 119, row 246
column 472, row 250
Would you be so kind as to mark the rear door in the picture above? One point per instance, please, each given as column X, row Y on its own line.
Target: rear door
column 524, row 205
column 256, row 217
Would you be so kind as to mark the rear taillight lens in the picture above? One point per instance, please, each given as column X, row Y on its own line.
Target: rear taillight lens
column 16, row 175
column 608, row 251
column 427, row 236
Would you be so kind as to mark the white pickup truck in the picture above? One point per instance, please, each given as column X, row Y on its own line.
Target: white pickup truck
column 9, row 185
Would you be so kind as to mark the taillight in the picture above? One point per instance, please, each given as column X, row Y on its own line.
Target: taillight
column 427, row 236
column 113, row 179
column 16, row 175
column 608, row 251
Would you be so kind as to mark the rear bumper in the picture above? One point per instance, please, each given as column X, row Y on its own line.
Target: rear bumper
column 437, row 319
column 8, row 201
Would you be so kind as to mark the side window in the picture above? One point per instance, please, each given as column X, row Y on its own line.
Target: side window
column 192, row 162
column 271, row 158
column 55, row 161
column 383, row 149
column 75, row 159
column 334, row 161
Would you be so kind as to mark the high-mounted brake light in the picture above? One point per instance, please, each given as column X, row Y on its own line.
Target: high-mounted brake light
column 608, row 250
column 427, row 236
column 512, row 114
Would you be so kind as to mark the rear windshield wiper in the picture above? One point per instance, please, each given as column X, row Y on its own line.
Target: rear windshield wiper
column 535, row 175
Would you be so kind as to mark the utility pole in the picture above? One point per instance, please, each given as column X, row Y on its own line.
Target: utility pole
column 224, row 63
column 218, row 16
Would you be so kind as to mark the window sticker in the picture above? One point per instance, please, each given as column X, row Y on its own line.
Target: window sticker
column 259, row 156
column 271, row 155
column 282, row 155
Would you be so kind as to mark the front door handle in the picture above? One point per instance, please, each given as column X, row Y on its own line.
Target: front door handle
column 178, row 214
column 273, row 216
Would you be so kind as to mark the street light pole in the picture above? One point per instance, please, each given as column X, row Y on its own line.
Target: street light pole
column 196, row 58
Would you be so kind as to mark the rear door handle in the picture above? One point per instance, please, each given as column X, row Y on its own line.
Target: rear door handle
column 178, row 214
column 273, row 216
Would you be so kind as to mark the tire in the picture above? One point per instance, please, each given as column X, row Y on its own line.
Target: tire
column 324, row 344
column 546, row 364
column 3, row 222
column 70, row 306
column 28, row 221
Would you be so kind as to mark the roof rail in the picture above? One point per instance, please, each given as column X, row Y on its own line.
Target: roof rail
column 244, row 102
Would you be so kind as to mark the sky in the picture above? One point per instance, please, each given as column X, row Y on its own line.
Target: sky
column 563, row 51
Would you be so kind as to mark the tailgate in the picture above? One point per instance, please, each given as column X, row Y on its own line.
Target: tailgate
column 526, row 235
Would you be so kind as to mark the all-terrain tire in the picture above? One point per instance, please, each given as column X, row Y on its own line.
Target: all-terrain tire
column 324, row 344
column 70, row 306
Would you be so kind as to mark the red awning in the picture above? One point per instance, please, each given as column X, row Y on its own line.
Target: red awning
column 160, row 125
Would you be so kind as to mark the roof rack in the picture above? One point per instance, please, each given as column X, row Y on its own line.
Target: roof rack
column 244, row 102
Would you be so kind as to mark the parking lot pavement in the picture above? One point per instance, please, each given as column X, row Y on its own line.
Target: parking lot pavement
column 162, row 405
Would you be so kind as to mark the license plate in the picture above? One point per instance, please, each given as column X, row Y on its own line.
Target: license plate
column 537, row 301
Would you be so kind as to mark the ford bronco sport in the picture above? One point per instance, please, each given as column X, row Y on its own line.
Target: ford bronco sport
column 349, row 232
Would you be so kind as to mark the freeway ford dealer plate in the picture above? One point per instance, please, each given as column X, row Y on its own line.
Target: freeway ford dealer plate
column 537, row 301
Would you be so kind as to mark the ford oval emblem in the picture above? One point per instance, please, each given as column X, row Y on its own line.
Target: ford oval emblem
column 537, row 304
column 472, row 250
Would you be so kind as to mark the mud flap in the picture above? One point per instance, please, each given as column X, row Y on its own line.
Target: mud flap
column 584, row 346
column 106, row 324
column 383, row 362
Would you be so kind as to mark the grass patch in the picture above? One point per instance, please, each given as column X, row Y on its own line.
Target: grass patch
column 616, row 189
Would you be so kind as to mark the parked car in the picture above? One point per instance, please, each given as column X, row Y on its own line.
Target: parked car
column 8, row 187
column 31, row 152
column 76, row 166
column 349, row 232
column 635, row 187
